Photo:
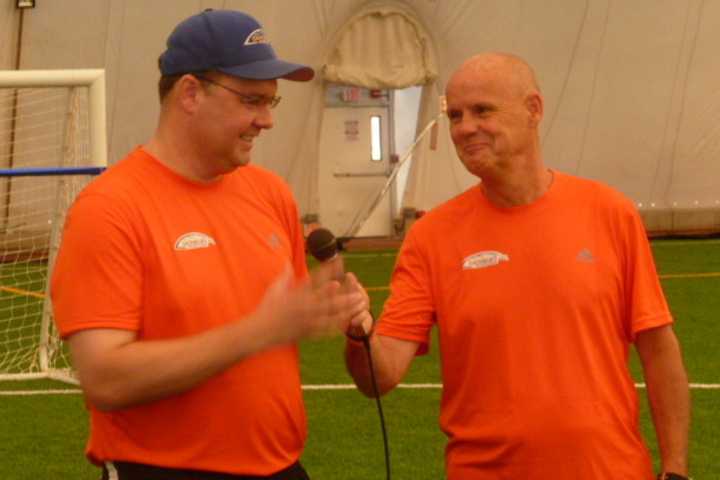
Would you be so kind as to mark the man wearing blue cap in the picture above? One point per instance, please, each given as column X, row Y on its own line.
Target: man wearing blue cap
column 194, row 286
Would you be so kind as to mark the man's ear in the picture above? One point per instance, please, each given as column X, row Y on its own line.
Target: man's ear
column 535, row 107
column 189, row 93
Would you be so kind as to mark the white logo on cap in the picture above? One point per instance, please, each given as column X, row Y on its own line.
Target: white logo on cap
column 255, row 37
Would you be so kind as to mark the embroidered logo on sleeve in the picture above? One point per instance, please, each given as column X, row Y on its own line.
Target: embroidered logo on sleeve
column 484, row 259
column 585, row 256
column 274, row 241
column 193, row 241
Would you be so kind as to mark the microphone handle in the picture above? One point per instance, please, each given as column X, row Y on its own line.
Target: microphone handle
column 337, row 265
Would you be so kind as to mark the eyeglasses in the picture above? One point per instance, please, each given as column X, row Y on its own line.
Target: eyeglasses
column 254, row 101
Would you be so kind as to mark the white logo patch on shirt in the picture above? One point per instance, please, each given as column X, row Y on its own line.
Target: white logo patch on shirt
column 193, row 241
column 255, row 37
column 484, row 259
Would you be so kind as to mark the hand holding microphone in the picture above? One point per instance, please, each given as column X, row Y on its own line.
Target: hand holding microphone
column 323, row 245
column 328, row 302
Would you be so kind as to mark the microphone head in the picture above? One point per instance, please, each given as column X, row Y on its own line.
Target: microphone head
column 321, row 244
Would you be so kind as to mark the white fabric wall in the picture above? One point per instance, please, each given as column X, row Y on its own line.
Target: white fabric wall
column 9, row 24
column 632, row 89
column 8, row 42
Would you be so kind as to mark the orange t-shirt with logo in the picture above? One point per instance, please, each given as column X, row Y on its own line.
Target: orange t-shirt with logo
column 149, row 251
column 536, row 307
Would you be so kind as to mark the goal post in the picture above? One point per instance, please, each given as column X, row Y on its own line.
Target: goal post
column 92, row 79
column 52, row 143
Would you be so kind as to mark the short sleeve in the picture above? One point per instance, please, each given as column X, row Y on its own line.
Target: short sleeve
column 409, row 311
column 97, row 277
column 645, row 301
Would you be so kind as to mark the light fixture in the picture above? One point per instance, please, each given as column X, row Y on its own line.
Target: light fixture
column 375, row 139
column 25, row 4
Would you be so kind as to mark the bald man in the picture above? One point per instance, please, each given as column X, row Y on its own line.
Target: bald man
column 538, row 282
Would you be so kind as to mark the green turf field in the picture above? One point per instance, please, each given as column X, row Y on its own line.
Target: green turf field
column 42, row 436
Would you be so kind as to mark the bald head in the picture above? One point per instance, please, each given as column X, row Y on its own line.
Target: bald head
column 513, row 73
column 494, row 108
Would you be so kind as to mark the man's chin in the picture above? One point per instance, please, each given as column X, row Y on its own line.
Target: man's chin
column 234, row 165
column 241, row 161
column 476, row 165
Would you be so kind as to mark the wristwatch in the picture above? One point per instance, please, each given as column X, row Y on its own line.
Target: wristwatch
column 671, row 476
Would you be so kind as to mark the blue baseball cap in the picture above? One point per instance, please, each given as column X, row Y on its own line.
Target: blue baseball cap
column 230, row 42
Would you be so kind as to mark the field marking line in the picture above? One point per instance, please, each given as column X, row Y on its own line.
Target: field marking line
column 386, row 288
column 377, row 289
column 369, row 255
column 20, row 291
column 341, row 386
column 654, row 243
column 682, row 243
column 351, row 386
column 27, row 393
column 689, row 275
column 662, row 277
column 41, row 295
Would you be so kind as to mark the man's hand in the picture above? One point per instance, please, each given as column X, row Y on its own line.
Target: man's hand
column 361, row 325
column 311, row 309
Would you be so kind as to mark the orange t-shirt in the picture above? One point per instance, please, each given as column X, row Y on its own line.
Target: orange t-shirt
column 536, row 307
column 149, row 251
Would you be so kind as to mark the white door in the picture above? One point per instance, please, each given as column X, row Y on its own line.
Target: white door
column 354, row 162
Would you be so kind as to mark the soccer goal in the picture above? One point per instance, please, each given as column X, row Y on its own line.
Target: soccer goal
column 52, row 143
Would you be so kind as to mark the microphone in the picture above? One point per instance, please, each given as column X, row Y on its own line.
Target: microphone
column 323, row 245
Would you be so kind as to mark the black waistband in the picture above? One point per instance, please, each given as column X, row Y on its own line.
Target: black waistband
column 139, row 471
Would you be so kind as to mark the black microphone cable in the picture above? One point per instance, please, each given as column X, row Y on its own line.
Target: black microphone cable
column 376, row 391
column 323, row 245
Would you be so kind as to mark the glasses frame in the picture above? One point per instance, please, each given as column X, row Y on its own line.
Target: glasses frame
column 248, row 100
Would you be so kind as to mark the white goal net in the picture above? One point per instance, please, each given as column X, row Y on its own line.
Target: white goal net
column 51, row 123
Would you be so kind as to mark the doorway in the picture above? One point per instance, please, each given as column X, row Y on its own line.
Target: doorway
column 364, row 133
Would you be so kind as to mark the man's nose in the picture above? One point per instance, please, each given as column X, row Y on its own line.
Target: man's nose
column 264, row 118
column 466, row 125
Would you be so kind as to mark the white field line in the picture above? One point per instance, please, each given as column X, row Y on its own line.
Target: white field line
column 27, row 393
column 342, row 386
column 369, row 255
column 683, row 243
column 654, row 243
